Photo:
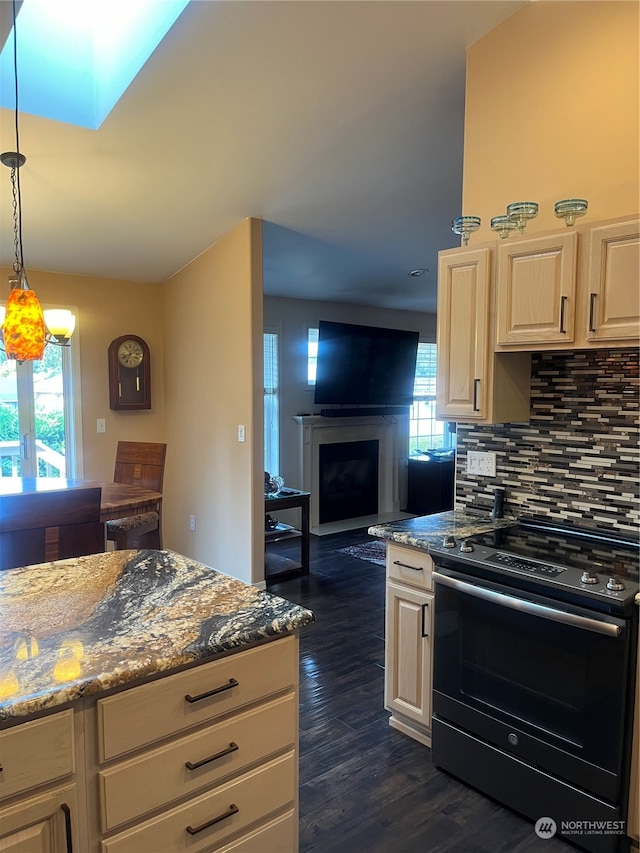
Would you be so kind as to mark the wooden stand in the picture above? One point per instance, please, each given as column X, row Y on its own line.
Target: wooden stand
column 275, row 564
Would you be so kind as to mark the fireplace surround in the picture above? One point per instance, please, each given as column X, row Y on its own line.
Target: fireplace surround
column 391, row 435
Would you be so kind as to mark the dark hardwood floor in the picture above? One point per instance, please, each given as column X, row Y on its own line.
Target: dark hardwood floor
column 363, row 785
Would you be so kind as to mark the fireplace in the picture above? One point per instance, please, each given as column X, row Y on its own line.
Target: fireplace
column 348, row 480
column 370, row 437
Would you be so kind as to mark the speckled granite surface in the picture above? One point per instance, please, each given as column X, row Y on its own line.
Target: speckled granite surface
column 78, row 627
column 426, row 529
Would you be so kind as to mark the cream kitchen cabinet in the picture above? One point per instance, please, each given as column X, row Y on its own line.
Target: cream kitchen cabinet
column 574, row 289
column 198, row 759
column 205, row 758
column 38, row 796
column 536, row 290
column 408, row 641
column 474, row 384
column 613, row 296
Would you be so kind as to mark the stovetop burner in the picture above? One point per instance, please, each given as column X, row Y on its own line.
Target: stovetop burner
column 578, row 564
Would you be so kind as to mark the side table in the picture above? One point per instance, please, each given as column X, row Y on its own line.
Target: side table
column 276, row 565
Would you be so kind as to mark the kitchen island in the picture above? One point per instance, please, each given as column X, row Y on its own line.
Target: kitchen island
column 147, row 702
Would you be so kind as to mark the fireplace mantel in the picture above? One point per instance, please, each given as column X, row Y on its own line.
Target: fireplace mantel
column 392, row 436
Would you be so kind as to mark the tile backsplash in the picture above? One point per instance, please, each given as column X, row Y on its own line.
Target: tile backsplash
column 578, row 457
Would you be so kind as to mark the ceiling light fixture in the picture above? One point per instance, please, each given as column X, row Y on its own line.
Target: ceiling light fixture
column 23, row 327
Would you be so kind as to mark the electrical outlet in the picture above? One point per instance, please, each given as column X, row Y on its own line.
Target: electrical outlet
column 481, row 462
column 241, row 432
column 101, row 425
column 192, row 523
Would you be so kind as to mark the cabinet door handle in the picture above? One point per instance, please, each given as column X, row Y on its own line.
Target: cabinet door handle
column 563, row 308
column 476, row 385
column 67, row 827
column 592, row 312
column 425, row 607
column 233, row 809
column 193, row 765
column 232, row 683
column 407, row 566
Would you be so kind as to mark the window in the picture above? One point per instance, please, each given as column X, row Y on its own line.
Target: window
column 312, row 355
column 39, row 433
column 271, row 432
column 425, row 432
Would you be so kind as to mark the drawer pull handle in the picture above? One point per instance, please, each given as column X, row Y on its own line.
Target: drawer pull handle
column 232, row 683
column 407, row 566
column 194, row 830
column 193, row 765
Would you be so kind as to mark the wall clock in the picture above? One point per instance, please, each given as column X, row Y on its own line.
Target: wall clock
column 129, row 374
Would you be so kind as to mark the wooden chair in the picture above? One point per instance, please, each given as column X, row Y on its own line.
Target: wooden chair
column 139, row 463
column 36, row 527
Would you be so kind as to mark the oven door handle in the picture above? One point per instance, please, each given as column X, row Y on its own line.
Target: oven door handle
column 531, row 607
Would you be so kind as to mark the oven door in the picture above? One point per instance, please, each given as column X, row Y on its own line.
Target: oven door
column 545, row 683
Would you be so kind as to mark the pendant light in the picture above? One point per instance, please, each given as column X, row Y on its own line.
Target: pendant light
column 23, row 329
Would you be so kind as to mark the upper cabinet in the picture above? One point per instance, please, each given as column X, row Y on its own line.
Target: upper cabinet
column 473, row 383
column 501, row 301
column 536, row 290
column 570, row 290
column 613, row 287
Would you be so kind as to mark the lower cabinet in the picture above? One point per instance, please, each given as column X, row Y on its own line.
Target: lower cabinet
column 42, row 824
column 203, row 759
column 408, row 641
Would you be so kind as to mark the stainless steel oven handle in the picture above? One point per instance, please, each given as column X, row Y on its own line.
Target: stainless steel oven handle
column 529, row 606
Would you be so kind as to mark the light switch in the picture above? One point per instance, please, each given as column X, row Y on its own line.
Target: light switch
column 241, row 432
column 101, row 425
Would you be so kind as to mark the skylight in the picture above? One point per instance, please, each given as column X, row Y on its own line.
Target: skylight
column 76, row 58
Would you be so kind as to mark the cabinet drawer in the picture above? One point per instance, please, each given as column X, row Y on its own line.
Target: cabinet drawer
column 139, row 786
column 37, row 752
column 278, row 836
column 142, row 715
column 409, row 565
column 211, row 818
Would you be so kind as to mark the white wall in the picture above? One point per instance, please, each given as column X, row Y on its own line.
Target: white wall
column 293, row 317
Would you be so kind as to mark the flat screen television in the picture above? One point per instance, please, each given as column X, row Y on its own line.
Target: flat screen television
column 365, row 365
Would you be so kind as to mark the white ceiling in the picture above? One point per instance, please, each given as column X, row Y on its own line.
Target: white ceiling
column 338, row 123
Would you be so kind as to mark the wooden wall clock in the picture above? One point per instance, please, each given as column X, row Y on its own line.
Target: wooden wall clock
column 129, row 374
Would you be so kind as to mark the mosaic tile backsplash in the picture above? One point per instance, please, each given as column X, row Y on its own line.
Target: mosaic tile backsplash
column 578, row 458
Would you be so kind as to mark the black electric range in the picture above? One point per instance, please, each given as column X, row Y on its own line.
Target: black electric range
column 584, row 566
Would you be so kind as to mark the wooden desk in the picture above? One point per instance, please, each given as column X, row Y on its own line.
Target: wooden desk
column 276, row 565
column 118, row 499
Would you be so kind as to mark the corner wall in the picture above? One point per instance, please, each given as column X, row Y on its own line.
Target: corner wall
column 106, row 309
column 552, row 112
column 213, row 383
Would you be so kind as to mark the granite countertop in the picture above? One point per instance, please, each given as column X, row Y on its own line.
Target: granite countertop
column 81, row 626
column 431, row 529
